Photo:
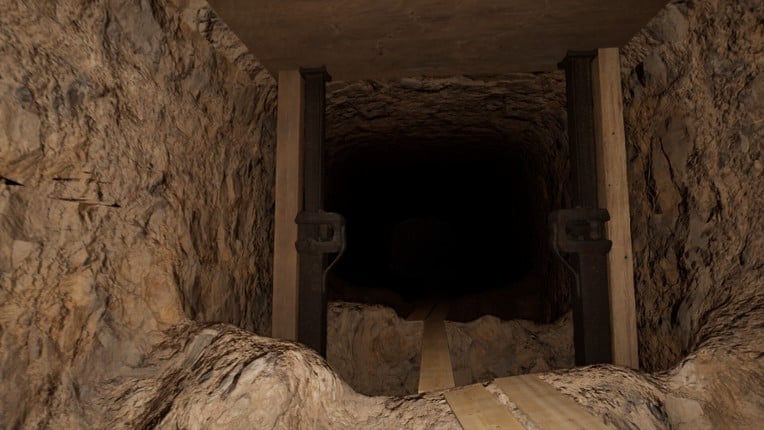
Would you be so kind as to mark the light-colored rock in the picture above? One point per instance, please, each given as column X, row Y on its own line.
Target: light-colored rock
column 489, row 348
column 373, row 349
column 378, row 353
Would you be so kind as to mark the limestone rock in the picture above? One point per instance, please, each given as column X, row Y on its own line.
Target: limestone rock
column 489, row 348
column 373, row 349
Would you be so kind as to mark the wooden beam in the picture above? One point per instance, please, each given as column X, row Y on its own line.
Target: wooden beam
column 591, row 305
column 545, row 406
column 289, row 142
column 614, row 195
column 477, row 409
column 311, row 325
column 435, row 370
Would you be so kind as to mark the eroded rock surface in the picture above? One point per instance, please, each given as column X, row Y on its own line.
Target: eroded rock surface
column 489, row 348
column 373, row 349
column 144, row 160
column 379, row 353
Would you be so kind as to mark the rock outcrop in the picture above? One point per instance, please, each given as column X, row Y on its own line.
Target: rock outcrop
column 378, row 353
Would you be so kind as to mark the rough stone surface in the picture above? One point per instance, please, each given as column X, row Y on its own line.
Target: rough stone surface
column 697, row 195
column 146, row 168
column 489, row 348
column 379, row 353
column 136, row 196
column 373, row 349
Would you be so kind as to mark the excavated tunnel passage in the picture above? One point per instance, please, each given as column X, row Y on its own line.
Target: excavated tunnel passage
column 446, row 186
column 459, row 221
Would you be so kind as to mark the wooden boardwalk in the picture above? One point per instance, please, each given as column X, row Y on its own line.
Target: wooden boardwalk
column 475, row 407
column 435, row 371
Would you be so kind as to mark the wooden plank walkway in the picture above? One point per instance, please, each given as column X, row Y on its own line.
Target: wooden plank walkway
column 546, row 406
column 477, row 409
column 435, row 370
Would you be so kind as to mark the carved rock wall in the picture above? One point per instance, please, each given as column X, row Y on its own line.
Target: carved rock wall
column 693, row 90
column 137, row 193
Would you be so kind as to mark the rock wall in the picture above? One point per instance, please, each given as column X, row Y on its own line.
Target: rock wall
column 694, row 100
column 489, row 348
column 137, row 167
column 374, row 350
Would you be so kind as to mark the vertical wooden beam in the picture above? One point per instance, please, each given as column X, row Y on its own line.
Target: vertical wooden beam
column 289, row 143
column 311, row 329
column 614, row 195
column 591, row 305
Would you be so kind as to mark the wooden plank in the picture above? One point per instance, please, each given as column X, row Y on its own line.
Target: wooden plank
column 288, row 197
column 477, row 409
column 435, row 371
column 614, row 195
column 546, row 406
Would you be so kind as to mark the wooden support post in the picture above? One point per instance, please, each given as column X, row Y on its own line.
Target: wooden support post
column 591, row 304
column 311, row 329
column 614, row 195
column 288, row 203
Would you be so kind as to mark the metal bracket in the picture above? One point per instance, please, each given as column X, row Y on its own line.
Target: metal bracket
column 581, row 234
column 331, row 237
column 579, row 231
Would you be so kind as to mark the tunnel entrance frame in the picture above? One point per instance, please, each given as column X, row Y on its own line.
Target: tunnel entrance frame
column 595, row 107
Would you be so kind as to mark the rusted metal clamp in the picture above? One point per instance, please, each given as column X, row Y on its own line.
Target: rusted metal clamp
column 579, row 231
column 331, row 232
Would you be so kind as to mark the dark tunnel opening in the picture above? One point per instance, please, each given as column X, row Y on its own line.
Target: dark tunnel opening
column 461, row 221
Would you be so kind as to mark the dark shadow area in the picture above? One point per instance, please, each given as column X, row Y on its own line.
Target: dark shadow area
column 457, row 221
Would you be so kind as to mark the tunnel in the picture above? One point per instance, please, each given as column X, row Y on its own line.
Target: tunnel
column 446, row 195
column 440, row 220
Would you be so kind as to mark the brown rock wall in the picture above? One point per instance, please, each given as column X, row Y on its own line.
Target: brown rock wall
column 693, row 112
column 145, row 166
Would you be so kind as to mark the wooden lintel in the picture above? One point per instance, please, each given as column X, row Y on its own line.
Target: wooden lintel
column 289, row 194
column 613, row 194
